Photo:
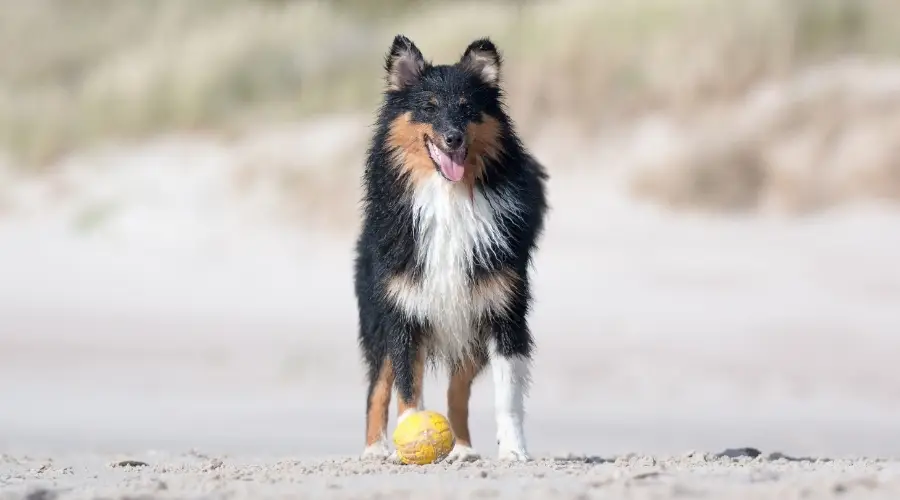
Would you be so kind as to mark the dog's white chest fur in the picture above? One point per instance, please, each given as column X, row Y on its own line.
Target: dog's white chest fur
column 455, row 227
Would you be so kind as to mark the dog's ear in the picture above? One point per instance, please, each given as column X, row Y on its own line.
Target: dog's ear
column 481, row 58
column 404, row 63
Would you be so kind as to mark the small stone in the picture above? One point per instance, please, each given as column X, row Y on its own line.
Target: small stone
column 213, row 464
column 130, row 463
column 746, row 452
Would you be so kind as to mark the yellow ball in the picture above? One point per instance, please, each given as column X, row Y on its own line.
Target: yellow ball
column 423, row 437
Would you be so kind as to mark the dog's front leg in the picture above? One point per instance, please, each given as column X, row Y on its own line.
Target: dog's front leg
column 510, row 363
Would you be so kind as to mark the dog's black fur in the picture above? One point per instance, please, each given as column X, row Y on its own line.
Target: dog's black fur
column 444, row 100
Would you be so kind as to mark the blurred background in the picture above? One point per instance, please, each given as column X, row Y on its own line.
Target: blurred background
column 179, row 185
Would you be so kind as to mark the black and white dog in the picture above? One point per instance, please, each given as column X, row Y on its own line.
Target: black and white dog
column 453, row 207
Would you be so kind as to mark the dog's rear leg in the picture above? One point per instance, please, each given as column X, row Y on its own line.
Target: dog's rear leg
column 381, row 382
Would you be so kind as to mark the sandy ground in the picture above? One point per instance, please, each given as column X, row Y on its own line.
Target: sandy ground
column 219, row 349
column 697, row 475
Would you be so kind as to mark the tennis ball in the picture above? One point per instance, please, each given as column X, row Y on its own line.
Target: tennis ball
column 423, row 437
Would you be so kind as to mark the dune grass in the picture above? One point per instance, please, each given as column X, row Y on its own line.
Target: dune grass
column 74, row 73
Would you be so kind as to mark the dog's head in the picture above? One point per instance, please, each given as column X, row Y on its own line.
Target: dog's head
column 446, row 118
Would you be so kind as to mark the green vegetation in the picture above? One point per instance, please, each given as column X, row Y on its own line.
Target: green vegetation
column 77, row 72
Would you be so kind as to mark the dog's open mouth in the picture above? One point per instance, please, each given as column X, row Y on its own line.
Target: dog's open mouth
column 450, row 165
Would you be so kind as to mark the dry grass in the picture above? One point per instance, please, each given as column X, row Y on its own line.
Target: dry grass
column 78, row 72
column 826, row 135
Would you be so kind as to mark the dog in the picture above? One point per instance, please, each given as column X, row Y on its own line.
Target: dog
column 453, row 205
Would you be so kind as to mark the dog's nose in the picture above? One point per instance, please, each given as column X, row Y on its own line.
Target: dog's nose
column 453, row 139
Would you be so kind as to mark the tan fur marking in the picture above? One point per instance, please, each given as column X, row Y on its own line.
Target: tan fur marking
column 406, row 138
column 484, row 140
column 484, row 65
column 377, row 417
column 495, row 291
column 404, row 66
column 489, row 293
column 458, row 394
column 418, row 380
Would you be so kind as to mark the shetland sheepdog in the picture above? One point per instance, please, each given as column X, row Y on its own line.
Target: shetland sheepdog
column 453, row 206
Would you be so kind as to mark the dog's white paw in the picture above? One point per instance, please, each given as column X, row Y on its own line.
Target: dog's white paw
column 462, row 453
column 513, row 454
column 376, row 451
column 511, row 439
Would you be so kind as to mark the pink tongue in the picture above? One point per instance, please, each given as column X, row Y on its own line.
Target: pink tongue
column 451, row 165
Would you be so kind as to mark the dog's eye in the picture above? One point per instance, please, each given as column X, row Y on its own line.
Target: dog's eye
column 429, row 107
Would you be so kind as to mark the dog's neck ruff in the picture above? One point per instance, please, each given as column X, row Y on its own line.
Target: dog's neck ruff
column 456, row 227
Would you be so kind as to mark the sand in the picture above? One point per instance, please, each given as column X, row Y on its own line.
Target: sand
column 197, row 335
column 693, row 475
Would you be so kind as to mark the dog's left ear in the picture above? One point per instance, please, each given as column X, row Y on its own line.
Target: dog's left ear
column 481, row 58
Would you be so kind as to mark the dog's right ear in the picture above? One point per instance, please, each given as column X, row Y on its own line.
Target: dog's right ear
column 404, row 63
